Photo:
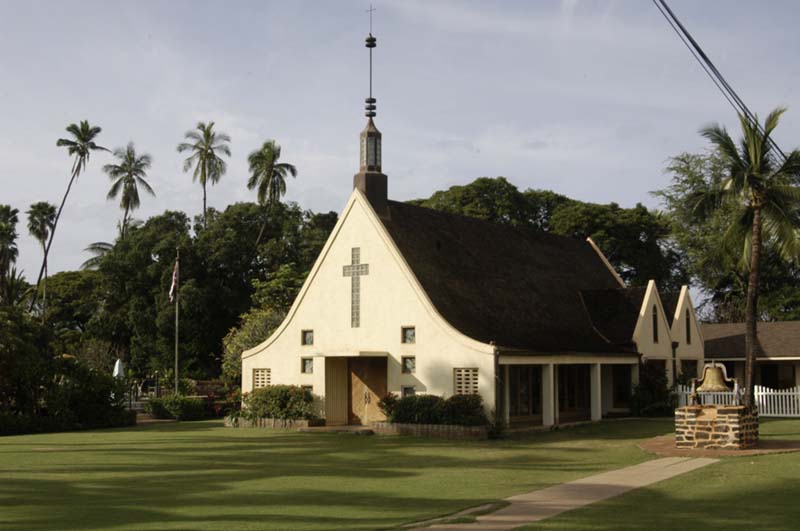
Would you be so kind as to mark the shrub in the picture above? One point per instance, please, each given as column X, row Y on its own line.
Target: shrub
column 178, row 407
column 388, row 403
column 651, row 397
column 11, row 424
column 283, row 402
column 460, row 410
column 418, row 409
column 464, row 410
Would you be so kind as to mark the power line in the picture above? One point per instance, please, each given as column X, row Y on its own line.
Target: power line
column 708, row 66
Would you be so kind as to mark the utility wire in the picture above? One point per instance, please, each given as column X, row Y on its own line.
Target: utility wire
column 708, row 66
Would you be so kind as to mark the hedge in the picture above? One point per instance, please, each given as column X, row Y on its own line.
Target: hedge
column 460, row 410
column 178, row 407
column 283, row 402
column 11, row 424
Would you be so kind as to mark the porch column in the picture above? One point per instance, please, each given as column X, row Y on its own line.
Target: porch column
column 596, row 386
column 634, row 375
column 548, row 395
column 506, row 397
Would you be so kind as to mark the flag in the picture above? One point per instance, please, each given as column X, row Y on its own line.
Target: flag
column 174, row 285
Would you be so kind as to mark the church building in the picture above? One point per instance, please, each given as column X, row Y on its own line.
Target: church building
column 409, row 300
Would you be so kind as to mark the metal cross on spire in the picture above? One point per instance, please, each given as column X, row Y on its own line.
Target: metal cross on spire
column 371, row 10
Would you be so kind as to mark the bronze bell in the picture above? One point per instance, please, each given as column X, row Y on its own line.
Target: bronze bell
column 713, row 380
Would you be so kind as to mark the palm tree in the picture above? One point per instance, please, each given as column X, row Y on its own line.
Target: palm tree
column 100, row 249
column 762, row 188
column 206, row 146
column 127, row 176
column 269, row 176
column 16, row 289
column 8, row 244
column 80, row 146
column 41, row 218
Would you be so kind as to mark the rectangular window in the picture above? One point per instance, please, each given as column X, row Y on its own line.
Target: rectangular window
column 409, row 364
column 408, row 334
column 465, row 381
column 688, row 328
column 408, row 390
column 655, row 324
column 307, row 337
column 307, row 365
column 261, row 378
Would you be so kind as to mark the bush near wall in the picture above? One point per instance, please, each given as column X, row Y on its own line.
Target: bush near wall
column 178, row 407
column 652, row 396
column 13, row 424
column 281, row 402
column 458, row 410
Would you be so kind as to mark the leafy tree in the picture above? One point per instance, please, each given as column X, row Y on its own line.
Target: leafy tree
column 127, row 176
column 495, row 200
column 206, row 147
column 25, row 362
column 41, row 218
column 8, row 245
column 269, row 177
column 762, row 191
column 255, row 326
column 80, row 146
column 635, row 241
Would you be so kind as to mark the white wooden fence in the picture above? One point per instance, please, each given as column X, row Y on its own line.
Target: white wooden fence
column 770, row 402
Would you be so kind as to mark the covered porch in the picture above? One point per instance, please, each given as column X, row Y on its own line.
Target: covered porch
column 546, row 391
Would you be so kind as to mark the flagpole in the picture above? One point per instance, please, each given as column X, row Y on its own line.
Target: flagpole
column 177, row 310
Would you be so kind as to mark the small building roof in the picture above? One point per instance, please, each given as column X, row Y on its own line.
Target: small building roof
column 776, row 339
column 496, row 283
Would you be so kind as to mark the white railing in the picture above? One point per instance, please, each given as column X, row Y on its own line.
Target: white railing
column 778, row 402
column 770, row 402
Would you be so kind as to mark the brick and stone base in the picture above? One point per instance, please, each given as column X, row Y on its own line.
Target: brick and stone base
column 716, row 427
column 271, row 423
column 435, row 431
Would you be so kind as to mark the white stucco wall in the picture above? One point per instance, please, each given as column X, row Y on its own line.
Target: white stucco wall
column 694, row 349
column 390, row 299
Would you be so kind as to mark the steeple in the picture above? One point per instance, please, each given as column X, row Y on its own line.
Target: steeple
column 369, row 178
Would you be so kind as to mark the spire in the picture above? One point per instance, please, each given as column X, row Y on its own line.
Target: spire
column 369, row 178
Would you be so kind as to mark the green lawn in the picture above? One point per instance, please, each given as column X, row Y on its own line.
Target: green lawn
column 739, row 493
column 201, row 476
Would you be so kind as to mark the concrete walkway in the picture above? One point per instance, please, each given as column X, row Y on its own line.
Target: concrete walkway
column 545, row 503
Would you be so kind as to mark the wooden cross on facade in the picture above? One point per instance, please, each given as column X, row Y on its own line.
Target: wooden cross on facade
column 355, row 271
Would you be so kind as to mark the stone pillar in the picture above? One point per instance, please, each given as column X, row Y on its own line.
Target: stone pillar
column 548, row 395
column 506, row 396
column 634, row 375
column 596, row 391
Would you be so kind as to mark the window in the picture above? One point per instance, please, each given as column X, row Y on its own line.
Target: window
column 261, row 378
column 409, row 364
column 408, row 334
column 307, row 365
column 307, row 337
column 408, row 390
column 655, row 324
column 309, row 388
column 688, row 328
column 465, row 381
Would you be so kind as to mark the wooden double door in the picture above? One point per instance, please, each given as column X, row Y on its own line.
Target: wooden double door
column 367, row 385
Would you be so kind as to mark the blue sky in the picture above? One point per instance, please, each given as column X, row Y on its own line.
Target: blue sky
column 585, row 98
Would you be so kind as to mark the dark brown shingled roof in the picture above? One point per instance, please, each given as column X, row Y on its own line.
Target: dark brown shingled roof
column 614, row 312
column 670, row 303
column 778, row 340
column 497, row 283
